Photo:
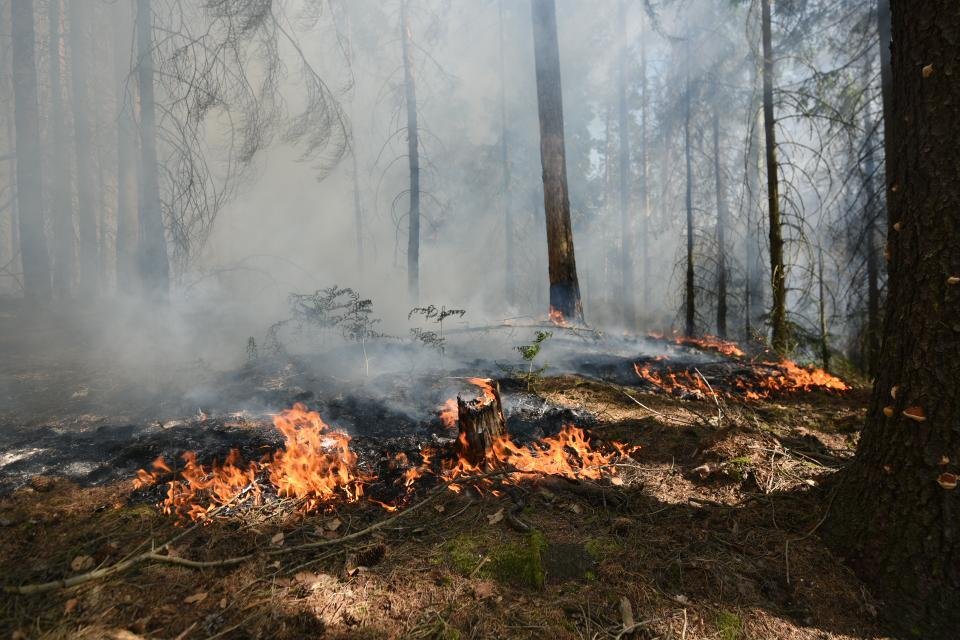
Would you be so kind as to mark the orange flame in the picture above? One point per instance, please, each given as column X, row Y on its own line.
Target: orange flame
column 707, row 343
column 449, row 414
column 556, row 317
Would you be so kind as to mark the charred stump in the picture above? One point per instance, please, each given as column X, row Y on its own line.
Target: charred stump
column 481, row 423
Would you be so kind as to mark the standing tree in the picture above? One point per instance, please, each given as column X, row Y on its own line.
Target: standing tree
column 413, row 156
column 126, row 240
column 895, row 514
column 626, row 222
column 690, row 296
column 564, row 286
column 778, row 276
column 62, row 200
column 508, row 230
column 721, row 226
column 26, row 114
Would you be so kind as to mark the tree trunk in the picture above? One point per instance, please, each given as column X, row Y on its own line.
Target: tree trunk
column 886, row 81
column 152, row 244
column 643, row 170
column 62, row 201
column 870, row 211
column 690, row 297
column 481, row 423
column 413, row 156
column 753, row 283
column 626, row 221
column 896, row 514
column 778, row 276
column 564, row 287
column 721, row 229
column 508, row 231
column 822, row 309
column 83, row 138
column 33, row 244
column 126, row 150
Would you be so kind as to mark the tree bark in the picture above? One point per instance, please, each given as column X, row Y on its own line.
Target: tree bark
column 62, row 200
column 778, row 276
column 413, row 157
column 508, row 230
column 79, row 38
column 886, row 82
column 690, row 298
column 481, row 423
column 753, row 283
column 626, row 219
column 822, row 312
column 126, row 150
column 26, row 107
column 154, row 265
column 721, row 229
column 870, row 210
column 896, row 514
column 643, row 171
column 564, row 286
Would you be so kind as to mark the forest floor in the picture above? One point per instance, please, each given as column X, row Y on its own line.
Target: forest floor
column 710, row 533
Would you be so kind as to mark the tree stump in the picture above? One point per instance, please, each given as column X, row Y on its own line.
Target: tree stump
column 480, row 422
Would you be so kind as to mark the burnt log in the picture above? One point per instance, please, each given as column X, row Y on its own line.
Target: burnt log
column 480, row 422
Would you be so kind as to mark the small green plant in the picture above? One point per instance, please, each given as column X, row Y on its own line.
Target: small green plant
column 432, row 313
column 529, row 353
column 729, row 625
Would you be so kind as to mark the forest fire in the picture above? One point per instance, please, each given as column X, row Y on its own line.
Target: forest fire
column 706, row 343
column 556, row 317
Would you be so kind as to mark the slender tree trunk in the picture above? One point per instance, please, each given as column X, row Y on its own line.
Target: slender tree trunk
column 626, row 218
column 33, row 244
column 643, row 170
column 126, row 150
column 896, row 511
column 886, row 80
column 822, row 309
column 83, row 138
column 508, row 230
column 870, row 209
column 154, row 265
column 754, row 284
column 721, row 229
column 564, row 287
column 62, row 214
column 690, row 297
column 413, row 156
column 778, row 276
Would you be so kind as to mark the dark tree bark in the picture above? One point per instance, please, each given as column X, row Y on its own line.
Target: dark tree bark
column 126, row 150
column 896, row 514
column 690, row 298
column 79, row 38
column 413, row 156
column 886, row 77
column 154, row 265
column 870, row 212
column 721, row 229
column 822, row 312
column 481, row 423
column 778, row 276
column 508, row 231
column 564, row 286
column 753, row 283
column 62, row 198
column 26, row 115
column 626, row 218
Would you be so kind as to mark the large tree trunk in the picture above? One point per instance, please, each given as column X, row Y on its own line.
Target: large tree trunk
column 508, row 231
column 152, row 244
column 721, row 229
column 896, row 514
column 83, row 138
column 886, row 78
column 564, row 287
column 413, row 156
column 690, row 297
column 778, row 276
column 126, row 150
column 626, row 218
column 870, row 213
column 62, row 200
column 33, row 244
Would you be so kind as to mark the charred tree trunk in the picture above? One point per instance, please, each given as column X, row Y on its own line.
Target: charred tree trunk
column 126, row 151
column 895, row 514
column 721, row 229
column 509, row 268
column 689, row 291
column 778, row 276
column 413, row 156
column 564, row 286
column 62, row 200
column 83, row 139
column 626, row 222
column 26, row 108
column 822, row 309
column 154, row 265
column 481, row 424
column 753, row 283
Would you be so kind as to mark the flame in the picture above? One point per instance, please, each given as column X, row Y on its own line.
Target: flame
column 707, row 343
column 147, row 478
column 556, row 317
column 449, row 414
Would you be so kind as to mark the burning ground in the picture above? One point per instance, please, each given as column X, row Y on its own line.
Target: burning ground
column 614, row 504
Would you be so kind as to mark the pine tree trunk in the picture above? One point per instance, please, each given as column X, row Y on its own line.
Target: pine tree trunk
column 508, row 230
column 896, row 514
column 154, row 265
column 79, row 38
column 753, row 283
column 126, row 150
column 62, row 200
column 870, row 210
column 778, row 276
column 886, row 78
column 643, row 170
column 33, row 244
column 721, row 229
column 690, row 298
column 564, row 287
column 626, row 221
column 822, row 312
column 413, row 156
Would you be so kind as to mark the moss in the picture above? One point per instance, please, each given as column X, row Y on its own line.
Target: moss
column 515, row 563
column 601, row 548
column 729, row 626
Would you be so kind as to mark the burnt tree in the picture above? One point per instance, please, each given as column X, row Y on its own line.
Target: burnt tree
column 413, row 156
column 896, row 514
column 721, row 228
column 690, row 296
column 481, row 423
column 564, row 286
column 60, row 179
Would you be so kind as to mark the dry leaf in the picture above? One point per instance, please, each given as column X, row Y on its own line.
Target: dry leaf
column 81, row 563
column 439, row 508
column 948, row 481
column 953, row 280
column 888, row 411
column 626, row 613
column 915, row 413
column 927, row 71
column 495, row 518
column 333, row 525
column 70, row 606
column 616, row 481
column 223, row 603
column 484, row 589
column 200, row 596
column 277, row 539
column 894, row 390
